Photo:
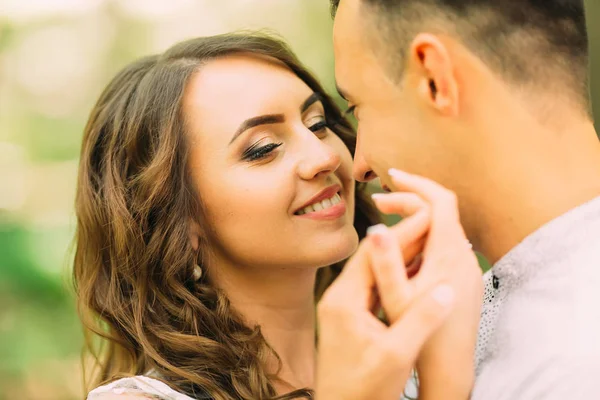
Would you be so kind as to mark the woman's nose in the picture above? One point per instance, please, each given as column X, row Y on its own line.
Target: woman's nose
column 320, row 158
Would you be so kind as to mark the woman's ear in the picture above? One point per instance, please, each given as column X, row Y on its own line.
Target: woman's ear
column 195, row 234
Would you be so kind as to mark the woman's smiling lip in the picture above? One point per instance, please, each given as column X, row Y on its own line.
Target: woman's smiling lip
column 326, row 205
column 322, row 195
column 331, row 213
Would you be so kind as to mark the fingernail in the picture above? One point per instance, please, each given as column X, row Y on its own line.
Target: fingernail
column 444, row 295
column 377, row 196
column 377, row 229
column 377, row 234
column 396, row 173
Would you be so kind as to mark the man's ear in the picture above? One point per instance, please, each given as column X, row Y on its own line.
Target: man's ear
column 430, row 61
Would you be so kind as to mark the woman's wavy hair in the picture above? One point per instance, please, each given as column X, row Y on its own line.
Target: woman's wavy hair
column 133, row 269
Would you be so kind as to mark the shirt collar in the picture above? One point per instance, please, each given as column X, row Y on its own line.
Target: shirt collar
column 551, row 242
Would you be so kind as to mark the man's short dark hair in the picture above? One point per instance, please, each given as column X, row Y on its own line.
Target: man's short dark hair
column 531, row 42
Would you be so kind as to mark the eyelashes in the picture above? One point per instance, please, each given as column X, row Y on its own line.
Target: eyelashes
column 257, row 152
column 319, row 126
column 349, row 111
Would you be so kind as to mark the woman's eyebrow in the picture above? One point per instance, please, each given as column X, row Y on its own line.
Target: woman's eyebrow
column 312, row 99
column 256, row 121
column 273, row 118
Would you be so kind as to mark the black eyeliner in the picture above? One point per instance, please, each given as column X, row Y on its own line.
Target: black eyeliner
column 319, row 126
column 255, row 152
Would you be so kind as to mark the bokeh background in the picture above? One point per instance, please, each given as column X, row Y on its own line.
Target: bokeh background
column 55, row 58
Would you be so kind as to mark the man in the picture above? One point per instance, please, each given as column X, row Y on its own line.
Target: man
column 490, row 99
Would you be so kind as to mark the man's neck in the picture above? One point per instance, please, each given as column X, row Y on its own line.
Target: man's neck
column 537, row 185
column 281, row 302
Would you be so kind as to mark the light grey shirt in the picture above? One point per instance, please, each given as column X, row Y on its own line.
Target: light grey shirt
column 539, row 335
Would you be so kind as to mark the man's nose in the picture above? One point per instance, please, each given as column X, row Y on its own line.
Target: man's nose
column 362, row 171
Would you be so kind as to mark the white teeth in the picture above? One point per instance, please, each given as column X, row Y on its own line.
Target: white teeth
column 307, row 209
column 321, row 205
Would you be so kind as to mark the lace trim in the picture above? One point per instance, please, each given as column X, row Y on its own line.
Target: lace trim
column 139, row 385
column 157, row 390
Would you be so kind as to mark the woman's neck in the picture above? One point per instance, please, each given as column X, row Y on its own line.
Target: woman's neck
column 281, row 302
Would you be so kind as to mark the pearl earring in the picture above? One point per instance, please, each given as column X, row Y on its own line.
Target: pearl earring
column 197, row 273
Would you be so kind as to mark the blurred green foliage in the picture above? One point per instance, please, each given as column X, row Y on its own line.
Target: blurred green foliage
column 55, row 57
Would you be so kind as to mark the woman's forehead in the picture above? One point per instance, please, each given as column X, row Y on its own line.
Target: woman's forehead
column 228, row 90
column 244, row 77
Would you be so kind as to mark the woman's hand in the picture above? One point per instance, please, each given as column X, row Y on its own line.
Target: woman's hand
column 446, row 363
column 359, row 357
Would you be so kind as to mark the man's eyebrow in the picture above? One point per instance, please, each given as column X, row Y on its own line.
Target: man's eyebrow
column 256, row 121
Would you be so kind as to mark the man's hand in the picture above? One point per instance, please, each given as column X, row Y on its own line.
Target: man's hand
column 447, row 257
column 359, row 357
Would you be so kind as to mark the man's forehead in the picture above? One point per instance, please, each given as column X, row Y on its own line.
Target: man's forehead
column 347, row 22
column 347, row 43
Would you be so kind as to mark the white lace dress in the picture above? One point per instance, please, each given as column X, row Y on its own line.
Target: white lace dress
column 151, row 388
column 142, row 386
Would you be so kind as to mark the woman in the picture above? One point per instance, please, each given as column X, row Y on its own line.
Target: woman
column 215, row 182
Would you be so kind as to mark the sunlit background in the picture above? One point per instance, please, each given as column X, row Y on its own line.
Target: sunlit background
column 55, row 58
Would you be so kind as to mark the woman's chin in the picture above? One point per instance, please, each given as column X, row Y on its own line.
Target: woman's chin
column 340, row 248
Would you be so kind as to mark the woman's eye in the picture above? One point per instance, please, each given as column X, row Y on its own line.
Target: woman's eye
column 319, row 126
column 256, row 153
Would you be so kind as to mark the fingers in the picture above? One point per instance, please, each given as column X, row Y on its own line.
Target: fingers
column 411, row 252
column 393, row 247
column 443, row 202
column 410, row 234
column 354, row 286
column 411, row 231
column 415, row 265
column 389, row 271
column 419, row 321
column 430, row 191
column 400, row 203
column 445, row 221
